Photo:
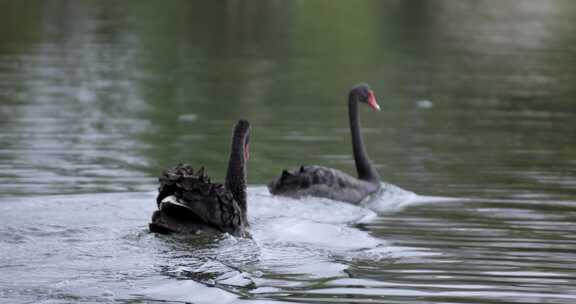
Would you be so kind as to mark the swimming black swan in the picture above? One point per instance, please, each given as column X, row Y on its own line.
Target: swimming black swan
column 331, row 183
column 189, row 203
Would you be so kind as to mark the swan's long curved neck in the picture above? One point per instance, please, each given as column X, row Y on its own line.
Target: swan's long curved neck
column 364, row 167
column 236, row 173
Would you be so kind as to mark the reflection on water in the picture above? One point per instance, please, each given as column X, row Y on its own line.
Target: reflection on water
column 478, row 102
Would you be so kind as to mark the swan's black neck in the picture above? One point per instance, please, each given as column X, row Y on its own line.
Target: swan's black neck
column 236, row 174
column 366, row 170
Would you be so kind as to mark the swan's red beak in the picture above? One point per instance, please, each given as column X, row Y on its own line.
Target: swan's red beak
column 372, row 101
column 246, row 152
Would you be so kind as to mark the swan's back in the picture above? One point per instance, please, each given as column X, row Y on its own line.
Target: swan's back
column 189, row 202
column 323, row 182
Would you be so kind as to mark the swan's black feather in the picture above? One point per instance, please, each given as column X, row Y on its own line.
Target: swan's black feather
column 212, row 206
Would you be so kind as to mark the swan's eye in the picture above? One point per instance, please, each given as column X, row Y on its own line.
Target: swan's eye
column 364, row 95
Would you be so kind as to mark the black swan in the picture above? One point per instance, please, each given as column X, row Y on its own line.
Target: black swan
column 331, row 183
column 189, row 203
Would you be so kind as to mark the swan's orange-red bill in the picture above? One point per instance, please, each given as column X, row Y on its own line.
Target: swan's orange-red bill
column 372, row 101
column 246, row 152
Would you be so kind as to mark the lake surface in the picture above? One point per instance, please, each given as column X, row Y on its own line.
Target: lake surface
column 476, row 143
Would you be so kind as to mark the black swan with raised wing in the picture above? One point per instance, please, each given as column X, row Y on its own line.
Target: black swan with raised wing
column 189, row 203
column 331, row 183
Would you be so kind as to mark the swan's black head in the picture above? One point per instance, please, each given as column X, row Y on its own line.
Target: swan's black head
column 363, row 93
column 242, row 134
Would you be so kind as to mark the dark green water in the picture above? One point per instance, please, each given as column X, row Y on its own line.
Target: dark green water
column 478, row 99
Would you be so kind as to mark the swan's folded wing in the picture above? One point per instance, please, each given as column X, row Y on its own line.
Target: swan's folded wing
column 318, row 181
column 209, row 202
column 216, row 207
